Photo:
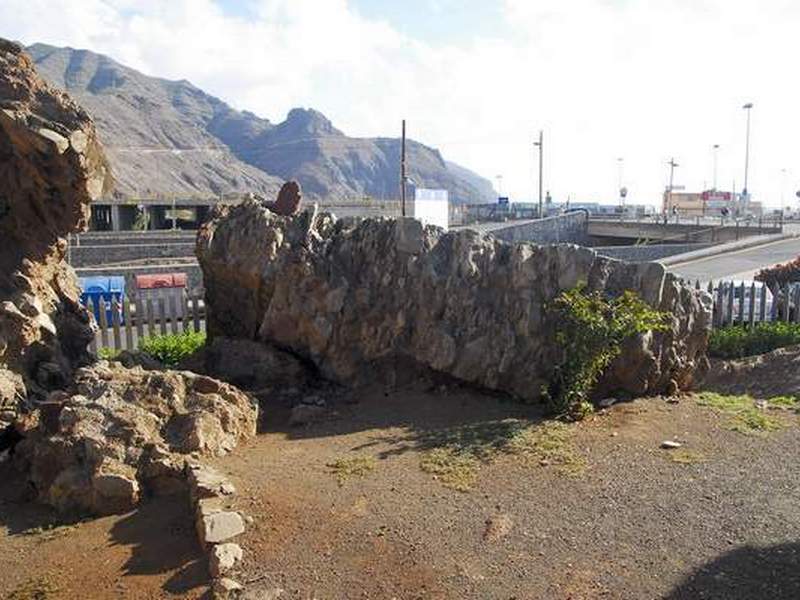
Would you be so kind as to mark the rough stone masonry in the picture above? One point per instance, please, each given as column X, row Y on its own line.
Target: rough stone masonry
column 392, row 296
column 51, row 167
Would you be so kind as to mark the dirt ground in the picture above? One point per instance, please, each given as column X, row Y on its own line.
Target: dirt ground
column 718, row 518
column 150, row 553
column 342, row 509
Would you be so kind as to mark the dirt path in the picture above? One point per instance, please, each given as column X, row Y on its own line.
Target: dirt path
column 150, row 553
column 719, row 518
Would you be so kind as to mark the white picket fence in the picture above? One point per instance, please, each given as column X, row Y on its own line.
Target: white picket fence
column 748, row 303
column 132, row 319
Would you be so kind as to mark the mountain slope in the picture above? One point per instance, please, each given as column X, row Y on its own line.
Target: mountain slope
column 171, row 137
column 155, row 132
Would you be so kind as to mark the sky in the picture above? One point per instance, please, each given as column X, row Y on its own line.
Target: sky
column 641, row 80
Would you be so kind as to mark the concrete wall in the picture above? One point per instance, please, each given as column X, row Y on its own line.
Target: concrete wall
column 87, row 256
column 569, row 228
column 648, row 253
column 609, row 231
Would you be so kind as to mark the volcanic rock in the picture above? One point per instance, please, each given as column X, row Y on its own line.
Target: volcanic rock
column 51, row 167
column 120, row 430
column 385, row 296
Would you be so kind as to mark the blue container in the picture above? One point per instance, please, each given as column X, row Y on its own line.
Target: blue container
column 107, row 288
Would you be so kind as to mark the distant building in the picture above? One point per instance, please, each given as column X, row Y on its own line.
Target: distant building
column 710, row 203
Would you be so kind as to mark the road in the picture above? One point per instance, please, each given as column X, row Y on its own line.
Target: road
column 743, row 264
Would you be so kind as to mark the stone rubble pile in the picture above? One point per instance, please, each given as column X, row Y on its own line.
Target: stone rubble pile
column 121, row 432
column 216, row 525
column 392, row 298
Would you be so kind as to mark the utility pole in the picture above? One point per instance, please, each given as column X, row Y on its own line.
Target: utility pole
column 745, row 193
column 672, row 165
column 403, row 171
column 540, row 144
column 716, row 155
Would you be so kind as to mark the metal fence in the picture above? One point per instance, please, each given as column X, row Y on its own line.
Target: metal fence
column 747, row 303
column 123, row 321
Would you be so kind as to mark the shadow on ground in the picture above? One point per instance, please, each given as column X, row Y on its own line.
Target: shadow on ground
column 746, row 573
column 160, row 534
column 458, row 418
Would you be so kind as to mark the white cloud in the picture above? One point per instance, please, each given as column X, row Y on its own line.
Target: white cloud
column 642, row 79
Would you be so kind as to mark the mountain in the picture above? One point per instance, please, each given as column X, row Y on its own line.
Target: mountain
column 171, row 137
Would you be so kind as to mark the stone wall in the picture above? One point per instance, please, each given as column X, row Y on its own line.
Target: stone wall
column 151, row 252
column 392, row 297
column 51, row 167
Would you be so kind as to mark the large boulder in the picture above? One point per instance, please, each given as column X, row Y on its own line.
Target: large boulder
column 119, row 432
column 51, row 167
column 392, row 296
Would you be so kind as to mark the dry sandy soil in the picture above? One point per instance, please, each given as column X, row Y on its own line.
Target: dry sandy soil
column 598, row 511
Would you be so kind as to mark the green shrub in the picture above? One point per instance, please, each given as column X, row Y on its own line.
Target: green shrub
column 108, row 353
column 738, row 341
column 171, row 349
column 591, row 329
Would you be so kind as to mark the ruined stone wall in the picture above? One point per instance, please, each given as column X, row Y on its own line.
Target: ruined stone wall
column 51, row 166
column 364, row 299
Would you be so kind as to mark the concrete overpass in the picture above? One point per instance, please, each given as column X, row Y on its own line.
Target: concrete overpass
column 619, row 232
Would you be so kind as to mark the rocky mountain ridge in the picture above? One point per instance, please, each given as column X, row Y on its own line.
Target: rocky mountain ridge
column 170, row 137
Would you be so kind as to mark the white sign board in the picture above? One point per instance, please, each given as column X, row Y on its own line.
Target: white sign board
column 432, row 207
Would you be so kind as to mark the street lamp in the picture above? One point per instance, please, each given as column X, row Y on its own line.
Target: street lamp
column 620, row 163
column 716, row 162
column 745, row 196
column 540, row 145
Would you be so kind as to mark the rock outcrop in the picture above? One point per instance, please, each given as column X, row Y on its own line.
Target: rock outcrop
column 391, row 296
column 119, row 432
column 51, row 167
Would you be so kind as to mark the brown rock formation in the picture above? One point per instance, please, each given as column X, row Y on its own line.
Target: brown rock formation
column 394, row 295
column 51, row 166
column 119, row 431
column 288, row 202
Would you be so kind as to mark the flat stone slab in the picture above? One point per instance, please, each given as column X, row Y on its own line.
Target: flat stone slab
column 219, row 527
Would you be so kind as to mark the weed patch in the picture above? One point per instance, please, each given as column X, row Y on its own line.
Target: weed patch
column 39, row 588
column 744, row 416
column 355, row 466
column 548, row 444
column 454, row 469
column 687, row 457
column 455, row 457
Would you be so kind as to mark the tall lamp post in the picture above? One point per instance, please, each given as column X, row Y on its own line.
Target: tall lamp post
column 540, row 145
column 620, row 163
column 716, row 163
column 745, row 194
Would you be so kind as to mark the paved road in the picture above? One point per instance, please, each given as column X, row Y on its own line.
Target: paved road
column 739, row 265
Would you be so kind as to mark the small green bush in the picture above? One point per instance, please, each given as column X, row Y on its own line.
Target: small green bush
column 108, row 353
column 171, row 349
column 738, row 341
column 591, row 328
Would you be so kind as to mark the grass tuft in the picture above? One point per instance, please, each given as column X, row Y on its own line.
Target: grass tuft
column 354, row 466
column 454, row 469
column 38, row 588
column 788, row 402
column 745, row 416
column 686, row 457
column 548, row 444
column 455, row 455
